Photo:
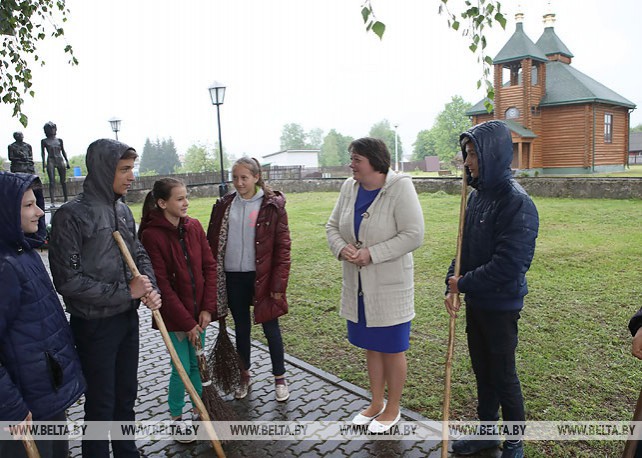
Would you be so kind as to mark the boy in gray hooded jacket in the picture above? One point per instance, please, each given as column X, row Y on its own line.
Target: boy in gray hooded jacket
column 100, row 293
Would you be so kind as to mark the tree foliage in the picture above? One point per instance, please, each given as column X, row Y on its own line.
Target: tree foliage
column 160, row 156
column 443, row 138
column 384, row 131
column 424, row 145
column 637, row 128
column 370, row 20
column 78, row 161
column 334, row 150
column 293, row 136
column 201, row 158
column 314, row 138
column 471, row 21
column 23, row 25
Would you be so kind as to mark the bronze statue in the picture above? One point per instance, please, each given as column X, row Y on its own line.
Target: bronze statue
column 21, row 155
column 56, row 160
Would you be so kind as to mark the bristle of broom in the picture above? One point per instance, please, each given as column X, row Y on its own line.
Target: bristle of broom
column 217, row 408
column 224, row 361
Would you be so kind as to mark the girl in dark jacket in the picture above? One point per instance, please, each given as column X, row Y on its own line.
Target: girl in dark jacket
column 186, row 275
column 250, row 239
column 40, row 375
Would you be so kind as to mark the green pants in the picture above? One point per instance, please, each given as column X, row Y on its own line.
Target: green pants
column 187, row 355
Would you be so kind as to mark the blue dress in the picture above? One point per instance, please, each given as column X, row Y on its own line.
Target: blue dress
column 386, row 339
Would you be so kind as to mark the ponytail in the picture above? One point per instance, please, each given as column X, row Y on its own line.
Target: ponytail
column 162, row 190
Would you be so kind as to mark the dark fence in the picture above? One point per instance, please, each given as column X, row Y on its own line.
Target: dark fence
column 74, row 185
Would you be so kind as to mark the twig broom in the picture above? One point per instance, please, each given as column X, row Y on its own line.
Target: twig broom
column 225, row 361
column 216, row 407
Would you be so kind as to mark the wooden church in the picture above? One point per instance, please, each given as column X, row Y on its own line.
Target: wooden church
column 561, row 120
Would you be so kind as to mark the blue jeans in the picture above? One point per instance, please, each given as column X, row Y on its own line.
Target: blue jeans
column 240, row 292
column 492, row 340
column 108, row 351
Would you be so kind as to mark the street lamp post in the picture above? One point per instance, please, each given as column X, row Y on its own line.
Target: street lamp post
column 396, row 155
column 217, row 94
column 115, row 125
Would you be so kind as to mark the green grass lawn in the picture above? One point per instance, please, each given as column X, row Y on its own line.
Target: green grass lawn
column 573, row 355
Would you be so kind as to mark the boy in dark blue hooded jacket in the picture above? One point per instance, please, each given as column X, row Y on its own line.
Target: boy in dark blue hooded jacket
column 40, row 375
column 500, row 229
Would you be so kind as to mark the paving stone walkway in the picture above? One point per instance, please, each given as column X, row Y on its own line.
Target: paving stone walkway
column 315, row 395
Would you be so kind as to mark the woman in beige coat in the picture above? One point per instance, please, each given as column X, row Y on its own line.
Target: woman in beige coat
column 374, row 227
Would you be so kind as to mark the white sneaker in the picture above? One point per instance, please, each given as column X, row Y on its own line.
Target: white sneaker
column 282, row 392
column 183, row 432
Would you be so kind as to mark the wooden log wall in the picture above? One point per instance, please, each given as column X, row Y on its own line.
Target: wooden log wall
column 564, row 131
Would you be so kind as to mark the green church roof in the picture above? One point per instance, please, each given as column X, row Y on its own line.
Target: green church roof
column 519, row 129
column 566, row 85
column 519, row 47
column 550, row 43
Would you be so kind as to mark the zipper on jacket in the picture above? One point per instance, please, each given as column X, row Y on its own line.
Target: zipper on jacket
column 121, row 257
column 181, row 239
column 242, row 237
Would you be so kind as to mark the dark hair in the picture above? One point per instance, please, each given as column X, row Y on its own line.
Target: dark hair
column 255, row 169
column 129, row 153
column 375, row 150
column 36, row 185
column 162, row 190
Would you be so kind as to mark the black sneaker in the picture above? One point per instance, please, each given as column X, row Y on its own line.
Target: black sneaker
column 468, row 445
column 513, row 450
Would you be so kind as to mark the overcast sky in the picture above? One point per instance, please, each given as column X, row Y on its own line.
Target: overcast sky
column 149, row 62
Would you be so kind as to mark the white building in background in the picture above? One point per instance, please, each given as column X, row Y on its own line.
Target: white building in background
column 305, row 157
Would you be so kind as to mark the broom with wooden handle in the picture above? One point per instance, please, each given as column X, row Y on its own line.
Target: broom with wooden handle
column 632, row 442
column 30, row 445
column 451, row 327
column 172, row 352
column 225, row 361
column 216, row 407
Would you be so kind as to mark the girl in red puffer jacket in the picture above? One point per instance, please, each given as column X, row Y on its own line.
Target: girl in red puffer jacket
column 186, row 274
column 250, row 239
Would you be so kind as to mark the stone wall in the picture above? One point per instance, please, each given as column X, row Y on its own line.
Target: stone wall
column 579, row 188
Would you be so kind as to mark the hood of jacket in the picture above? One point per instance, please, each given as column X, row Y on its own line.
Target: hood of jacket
column 494, row 147
column 102, row 159
column 12, row 188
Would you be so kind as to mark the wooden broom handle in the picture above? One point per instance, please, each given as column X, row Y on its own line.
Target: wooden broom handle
column 451, row 327
column 30, row 445
column 632, row 444
column 172, row 353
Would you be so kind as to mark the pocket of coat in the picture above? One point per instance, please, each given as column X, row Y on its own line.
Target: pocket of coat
column 55, row 370
column 390, row 272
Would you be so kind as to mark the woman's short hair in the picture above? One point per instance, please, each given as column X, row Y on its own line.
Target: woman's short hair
column 375, row 150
